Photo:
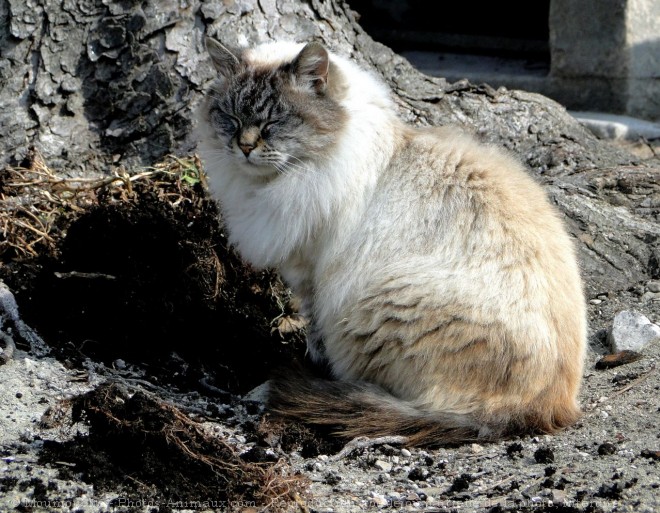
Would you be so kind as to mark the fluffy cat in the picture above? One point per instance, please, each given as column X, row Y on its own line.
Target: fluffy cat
column 442, row 289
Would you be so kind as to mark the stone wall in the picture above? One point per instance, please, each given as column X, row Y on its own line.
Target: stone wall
column 605, row 55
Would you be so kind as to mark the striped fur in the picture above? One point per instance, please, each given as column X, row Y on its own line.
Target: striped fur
column 442, row 288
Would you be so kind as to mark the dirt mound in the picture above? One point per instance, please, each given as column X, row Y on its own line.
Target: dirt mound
column 149, row 449
column 143, row 274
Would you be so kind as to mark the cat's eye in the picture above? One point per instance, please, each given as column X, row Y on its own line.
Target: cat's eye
column 227, row 123
column 267, row 128
column 234, row 121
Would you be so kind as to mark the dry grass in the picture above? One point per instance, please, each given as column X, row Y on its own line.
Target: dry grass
column 37, row 204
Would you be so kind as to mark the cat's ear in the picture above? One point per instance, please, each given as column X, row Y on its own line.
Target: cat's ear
column 224, row 60
column 311, row 67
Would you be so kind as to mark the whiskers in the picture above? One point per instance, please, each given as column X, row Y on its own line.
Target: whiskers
column 281, row 163
column 288, row 164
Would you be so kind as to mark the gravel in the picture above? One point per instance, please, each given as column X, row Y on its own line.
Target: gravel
column 607, row 462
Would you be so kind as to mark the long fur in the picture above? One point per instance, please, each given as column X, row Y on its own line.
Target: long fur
column 442, row 289
column 350, row 409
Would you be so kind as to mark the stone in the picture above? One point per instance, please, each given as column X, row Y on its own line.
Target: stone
column 558, row 496
column 385, row 466
column 379, row 500
column 632, row 331
column 650, row 296
column 653, row 286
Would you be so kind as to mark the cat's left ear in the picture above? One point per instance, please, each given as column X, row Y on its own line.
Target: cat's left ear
column 311, row 66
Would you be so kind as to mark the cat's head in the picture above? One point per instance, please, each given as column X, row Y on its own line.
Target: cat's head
column 270, row 113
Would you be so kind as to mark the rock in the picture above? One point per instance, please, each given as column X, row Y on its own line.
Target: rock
column 259, row 394
column 650, row 296
column 653, row 286
column 418, row 474
column 632, row 331
column 461, row 483
column 515, row 450
column 558, row 496
column 406, row 453
column 379, row 500
column 385, row 466
column 331, row 478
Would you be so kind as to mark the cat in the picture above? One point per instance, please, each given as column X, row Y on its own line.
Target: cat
column 442, row 289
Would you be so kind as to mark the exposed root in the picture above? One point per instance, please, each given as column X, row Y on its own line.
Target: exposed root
column 186, row 449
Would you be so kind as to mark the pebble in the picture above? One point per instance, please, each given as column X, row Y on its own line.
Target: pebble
column 558, row 496
column 638, row 290
column 476, row 448
column 385, row 466
column 406, row 453
column 650, row 296
column 604, row 414
column 595, row 301
column 379, row 500
column 632, row 331
column 653, row 286
column 653, row 455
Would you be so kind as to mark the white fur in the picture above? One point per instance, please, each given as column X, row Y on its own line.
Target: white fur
column 271, row 220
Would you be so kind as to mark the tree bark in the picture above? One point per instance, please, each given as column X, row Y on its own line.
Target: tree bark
column 92, row 84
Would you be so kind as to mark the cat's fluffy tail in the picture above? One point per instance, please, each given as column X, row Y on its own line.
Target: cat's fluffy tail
column 352, row 409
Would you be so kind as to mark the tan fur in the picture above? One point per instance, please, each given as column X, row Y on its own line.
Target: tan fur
column 502, row 341
column 442, row 289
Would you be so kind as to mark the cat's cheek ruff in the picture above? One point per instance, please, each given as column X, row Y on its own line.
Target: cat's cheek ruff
column 254, row 167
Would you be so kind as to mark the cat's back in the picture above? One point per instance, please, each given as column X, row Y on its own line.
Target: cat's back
column 440, row 158
column 456, row 180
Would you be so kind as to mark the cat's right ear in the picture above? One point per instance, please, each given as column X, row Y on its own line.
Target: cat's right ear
column 224, row 60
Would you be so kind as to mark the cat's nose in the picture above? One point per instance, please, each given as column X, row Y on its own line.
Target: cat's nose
column 246, row 148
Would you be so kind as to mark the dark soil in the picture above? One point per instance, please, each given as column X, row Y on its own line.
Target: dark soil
column 144, row 282
column 139, row 280
column 143, row 447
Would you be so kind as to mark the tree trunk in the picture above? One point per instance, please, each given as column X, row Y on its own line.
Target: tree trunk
column 92, row 84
